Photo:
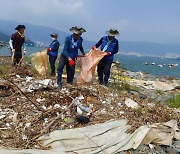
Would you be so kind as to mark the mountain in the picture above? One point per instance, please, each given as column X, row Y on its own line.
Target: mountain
column 39, row 33
column 149, row 48
column 42, row 34
column 4, row 37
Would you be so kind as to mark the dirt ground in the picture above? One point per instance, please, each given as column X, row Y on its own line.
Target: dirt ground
column 25, row 116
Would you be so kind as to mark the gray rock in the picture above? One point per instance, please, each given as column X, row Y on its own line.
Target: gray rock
column 159, row 149
column 171, row 150
column 176, row 146
column 142, row 148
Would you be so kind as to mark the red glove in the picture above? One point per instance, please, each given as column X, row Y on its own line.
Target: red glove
column 108, row 53
column 93, row 47
column 48, row 49
column 71, row 62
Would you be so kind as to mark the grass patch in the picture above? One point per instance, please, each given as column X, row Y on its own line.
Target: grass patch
column 159, row 92
column 174, row 101
column 139, row 111
column 3, row 70
column 27, row 59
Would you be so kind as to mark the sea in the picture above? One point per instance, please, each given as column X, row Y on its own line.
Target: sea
column 151, row 65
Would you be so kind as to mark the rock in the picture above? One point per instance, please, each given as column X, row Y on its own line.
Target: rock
column 159, row 149
column 176, row 146
column 142, row 147
column 171, row 150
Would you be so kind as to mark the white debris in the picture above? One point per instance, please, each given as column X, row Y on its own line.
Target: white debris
column 130, row 103
column 120, row 104
column 24, row 137
column 2, row 116
column 18, row 76
column 28, row 79
column 78, row 110
column 57, row 106
column 28, row 124
column 44, row 107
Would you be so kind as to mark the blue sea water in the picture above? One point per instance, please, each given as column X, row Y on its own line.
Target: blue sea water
column 133, row 63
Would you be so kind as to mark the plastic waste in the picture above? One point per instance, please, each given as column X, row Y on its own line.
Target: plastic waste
column 40, row 60
column 85, row 108
column 88, row 65
column 82, row 119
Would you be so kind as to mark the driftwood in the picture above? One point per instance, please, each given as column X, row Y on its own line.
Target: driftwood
column 32, row 102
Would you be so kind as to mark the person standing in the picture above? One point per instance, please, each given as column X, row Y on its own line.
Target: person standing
column 110, row 45
column 73, row 43
column 52, row 51
column 17, row 43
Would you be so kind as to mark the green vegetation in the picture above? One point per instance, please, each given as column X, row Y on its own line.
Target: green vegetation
column 3, row 70
column 120, row 86
column 174, row 101
column 139, row 111
column 159, row 92
column 27, row 59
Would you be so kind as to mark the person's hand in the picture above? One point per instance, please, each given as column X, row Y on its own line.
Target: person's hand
column 48, row 49
column 24, row 52
column 93, row 47
column 71, row 62
column 13, row 50
column 108, row 53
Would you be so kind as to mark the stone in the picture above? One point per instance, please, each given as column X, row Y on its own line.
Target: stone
column 171, row 150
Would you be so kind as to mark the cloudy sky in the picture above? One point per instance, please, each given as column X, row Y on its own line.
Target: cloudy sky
column 137, row 20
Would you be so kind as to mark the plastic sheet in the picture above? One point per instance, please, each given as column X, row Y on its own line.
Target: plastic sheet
column 88, row 65
column 40, row 60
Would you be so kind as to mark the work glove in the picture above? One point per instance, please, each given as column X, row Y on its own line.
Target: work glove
column 71, row 62
column 108, row 53
column 48, row 49
column 93, row 47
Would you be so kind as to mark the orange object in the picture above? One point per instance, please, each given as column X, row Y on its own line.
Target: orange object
column 40, row 61
column 88, row 65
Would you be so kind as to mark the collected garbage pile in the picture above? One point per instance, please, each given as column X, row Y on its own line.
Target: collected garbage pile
column 32, row 107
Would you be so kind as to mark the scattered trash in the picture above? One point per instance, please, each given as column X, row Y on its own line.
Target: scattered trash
column 130, row 103
column 82, row 119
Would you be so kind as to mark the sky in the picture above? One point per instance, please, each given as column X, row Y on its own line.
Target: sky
column 136, row 20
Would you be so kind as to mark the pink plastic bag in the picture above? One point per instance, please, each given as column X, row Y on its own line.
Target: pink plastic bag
column 88, row 65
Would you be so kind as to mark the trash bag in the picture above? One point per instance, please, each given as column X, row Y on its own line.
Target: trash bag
column 40, row 61
column 88, row 65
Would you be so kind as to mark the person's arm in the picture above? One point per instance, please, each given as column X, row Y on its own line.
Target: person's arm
column 13, row 36
column 99, row 43
column 82, row 50
column 116, row 48
column 24, row 48
column 10, row 44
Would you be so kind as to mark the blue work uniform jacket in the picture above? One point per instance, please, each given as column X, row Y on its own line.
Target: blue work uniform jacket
column 54, row 48
column 113, row 47
column 71, row 47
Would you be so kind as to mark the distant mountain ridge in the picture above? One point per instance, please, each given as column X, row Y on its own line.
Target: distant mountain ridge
column 149, row 48
column 42, row 34
column 38, row 33
column 4, row 37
